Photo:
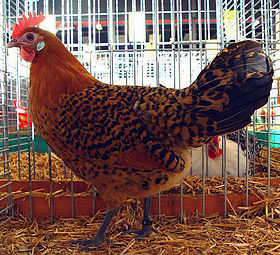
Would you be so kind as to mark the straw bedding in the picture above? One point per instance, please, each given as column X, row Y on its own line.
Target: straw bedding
column 250, row 230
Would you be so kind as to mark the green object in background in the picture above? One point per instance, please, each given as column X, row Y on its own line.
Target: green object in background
column 22, row 142
column 39, row 144
column 263, row 137
column 14, row 143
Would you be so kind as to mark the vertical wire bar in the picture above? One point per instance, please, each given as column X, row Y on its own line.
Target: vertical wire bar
column 206, row 38
column 159, row 206
column 180, row 19
column 238, row 152
column 142, row 45
column 98, row 20
column 219, row 17
column 46, row 7
column 191, row 45
column 271, row 44
column 72, row 196
column 179, row 39
column 117, row 22
column 94, row 24
column 89, row 24
column 51, row 183
column 263, row 23
column 126, row 47
column 225, row 174
column 208, row 20
column 243, row 24
column 35, row 5
column 156, row 31
column 236, row 28
column 220, row 37
column 207, row 161
column 4, row 96
column 67, row 23
column 179, row 45
column 201, row 66
column 33, row 148
column 53, row 7
column 271, row 26
column 18, row 127
column 253, row 35
column 254, row 143
column 71, row 40
column 29, row 166
column 4, row 112
column 173, row 25
column 203, row 180
column 162, row 21
column 18, row 97
column 111, row 39
column 80, row 38
column 268, row 105
column 62, row 22
column 93, row 200
column 133, row 9
column 70, row 25
column 247, row 168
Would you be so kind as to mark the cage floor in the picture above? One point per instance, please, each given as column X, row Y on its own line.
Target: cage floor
column 249, row 230
column 197, row 235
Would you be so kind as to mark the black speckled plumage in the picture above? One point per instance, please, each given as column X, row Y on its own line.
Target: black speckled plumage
column 253, row 142
column 132, row 141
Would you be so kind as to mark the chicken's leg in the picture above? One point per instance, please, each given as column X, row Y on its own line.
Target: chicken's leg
column 100, row 236
column 147, row 227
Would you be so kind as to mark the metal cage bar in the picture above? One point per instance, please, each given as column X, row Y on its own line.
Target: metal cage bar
column 175, row 39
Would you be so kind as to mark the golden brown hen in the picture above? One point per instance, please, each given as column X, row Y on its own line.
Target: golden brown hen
column 132, row 141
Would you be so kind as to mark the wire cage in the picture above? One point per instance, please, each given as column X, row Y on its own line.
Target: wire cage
column 128, row 42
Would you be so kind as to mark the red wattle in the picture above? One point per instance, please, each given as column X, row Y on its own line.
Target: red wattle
column 27, row 54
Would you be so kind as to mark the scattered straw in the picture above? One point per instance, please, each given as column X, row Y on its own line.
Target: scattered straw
column 250, row 230
column 209, row 235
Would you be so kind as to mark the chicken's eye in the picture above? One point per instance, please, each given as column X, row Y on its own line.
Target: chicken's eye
column 29, row 37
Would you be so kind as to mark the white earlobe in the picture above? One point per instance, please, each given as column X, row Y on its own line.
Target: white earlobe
column 40, row 46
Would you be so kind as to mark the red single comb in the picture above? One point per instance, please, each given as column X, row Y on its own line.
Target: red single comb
column 27, row 22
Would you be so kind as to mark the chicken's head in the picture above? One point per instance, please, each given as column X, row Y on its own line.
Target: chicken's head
column 26, row 38
column 213, row 148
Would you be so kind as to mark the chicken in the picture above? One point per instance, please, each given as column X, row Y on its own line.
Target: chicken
column 215, row 159
column 133, row 141
column 234, row 146
column 254, row 145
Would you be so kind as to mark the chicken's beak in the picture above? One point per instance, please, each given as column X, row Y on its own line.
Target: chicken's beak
column 14, row 43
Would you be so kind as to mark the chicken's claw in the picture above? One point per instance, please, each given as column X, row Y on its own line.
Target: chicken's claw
column 142, row 233
column 87, row 243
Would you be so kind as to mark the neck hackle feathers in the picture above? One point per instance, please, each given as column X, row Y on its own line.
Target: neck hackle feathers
column 31, row 21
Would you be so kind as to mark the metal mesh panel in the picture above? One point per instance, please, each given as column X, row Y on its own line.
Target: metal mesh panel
column 147, row 43
column 6, row 209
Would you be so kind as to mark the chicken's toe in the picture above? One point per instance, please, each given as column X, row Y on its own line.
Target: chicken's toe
column 87, row 243
column 142, row 233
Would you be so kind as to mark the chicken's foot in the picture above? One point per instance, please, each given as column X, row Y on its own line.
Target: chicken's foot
column 100, row 236
column 147, row 227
